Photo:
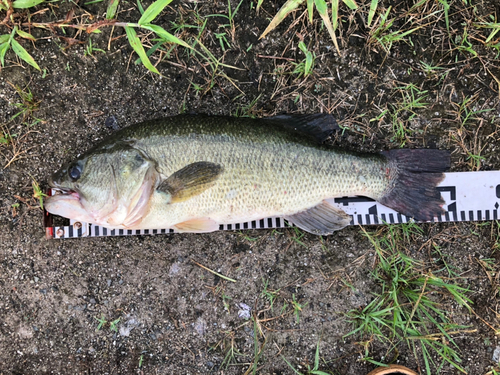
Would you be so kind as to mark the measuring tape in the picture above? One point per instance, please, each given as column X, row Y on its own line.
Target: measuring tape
column 468, row 196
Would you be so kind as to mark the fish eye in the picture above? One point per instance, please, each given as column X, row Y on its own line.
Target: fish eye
column 74, row 172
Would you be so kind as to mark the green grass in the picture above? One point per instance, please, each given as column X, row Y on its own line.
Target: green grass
column 113, row 326
column 411, row 99
column 405, row 311
column 297, row 308
column 102, row 322
column 269, row 294
column 305, row 67
column 144, row 23
column 314, row 370
column 383, row 35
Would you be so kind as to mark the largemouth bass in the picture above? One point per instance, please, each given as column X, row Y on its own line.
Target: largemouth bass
column 193, row 173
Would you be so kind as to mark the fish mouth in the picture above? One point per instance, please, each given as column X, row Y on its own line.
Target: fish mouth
column 66, row 202
column 63, row 191
column 66, row 193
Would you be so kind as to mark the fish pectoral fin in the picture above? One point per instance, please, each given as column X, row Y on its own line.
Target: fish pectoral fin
column 191, row 180
column 200, row 225
column 322, row 219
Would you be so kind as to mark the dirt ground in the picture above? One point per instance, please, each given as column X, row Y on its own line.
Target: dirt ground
column 143, row 304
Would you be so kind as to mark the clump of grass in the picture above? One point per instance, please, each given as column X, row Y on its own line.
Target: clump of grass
column 310, row 370
column 404, row 310
column 404, row 111
column 321, row 7
column 13, row 146
column 305, row 67
column 144, row 23
column 383, row 35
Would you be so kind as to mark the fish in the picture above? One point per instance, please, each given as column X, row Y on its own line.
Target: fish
column 193, row 173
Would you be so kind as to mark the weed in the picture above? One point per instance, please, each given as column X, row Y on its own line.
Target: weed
column 321, row 8
column 114, row 325
column 401, row 113
column 230, row 16
column 225, row 301
column 463, row 44
column 221, row 37
column 38, row 193
column 230, row 352
column 89, row 50
column 144, row 23
column 28, row 103
column 298, row 235
column 475, row 160
column 258, row 349
column 382, row 35
column 101, row 321
column 430, row 70
column 246, row 111
column 269, row 294
column 8, row 41
column 490, row 41
column 466, row 114
column 297, row 308
column 450, row 270
column 404, row 311
column 6, row 138
column 310, row 371
column 305, row 67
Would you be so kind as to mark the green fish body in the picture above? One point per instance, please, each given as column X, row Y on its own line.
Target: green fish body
column 193, row 173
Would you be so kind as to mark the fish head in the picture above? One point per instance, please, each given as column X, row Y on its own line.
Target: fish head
column 110, row 186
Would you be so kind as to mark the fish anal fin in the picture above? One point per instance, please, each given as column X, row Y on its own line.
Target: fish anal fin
column 191, row 180
column 322, row 219
column 199, row 225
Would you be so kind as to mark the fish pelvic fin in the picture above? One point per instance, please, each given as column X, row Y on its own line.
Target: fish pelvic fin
column 199, row 225
column 412, row 190
column 322, row 219
column 191, row 180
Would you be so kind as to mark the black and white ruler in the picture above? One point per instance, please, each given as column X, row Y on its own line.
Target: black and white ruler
column 469, row 196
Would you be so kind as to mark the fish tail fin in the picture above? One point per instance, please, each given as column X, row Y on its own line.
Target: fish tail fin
column 413, row 188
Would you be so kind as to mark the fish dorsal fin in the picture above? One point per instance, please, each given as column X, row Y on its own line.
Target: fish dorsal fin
column 191, row 180
column 200, row 225
column 322, row 219
column 318, row 126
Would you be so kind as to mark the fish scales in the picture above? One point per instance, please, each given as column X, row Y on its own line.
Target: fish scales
column 267, row 171
column 193, row 173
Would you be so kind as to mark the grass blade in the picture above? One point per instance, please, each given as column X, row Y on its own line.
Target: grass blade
column 289, row 6
column 23, row 54
column 371, row 13
column 335, row 14
column 139, row 5
column 3, row 49
column 152, row 11
column 135, row 43
column 259, row 4
column 24, row 4
column 351, row 4
column 166, row 35
column 310, row 5
column 323, row 12
column 25, row 35
column 112, row 8
column 4, row 38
